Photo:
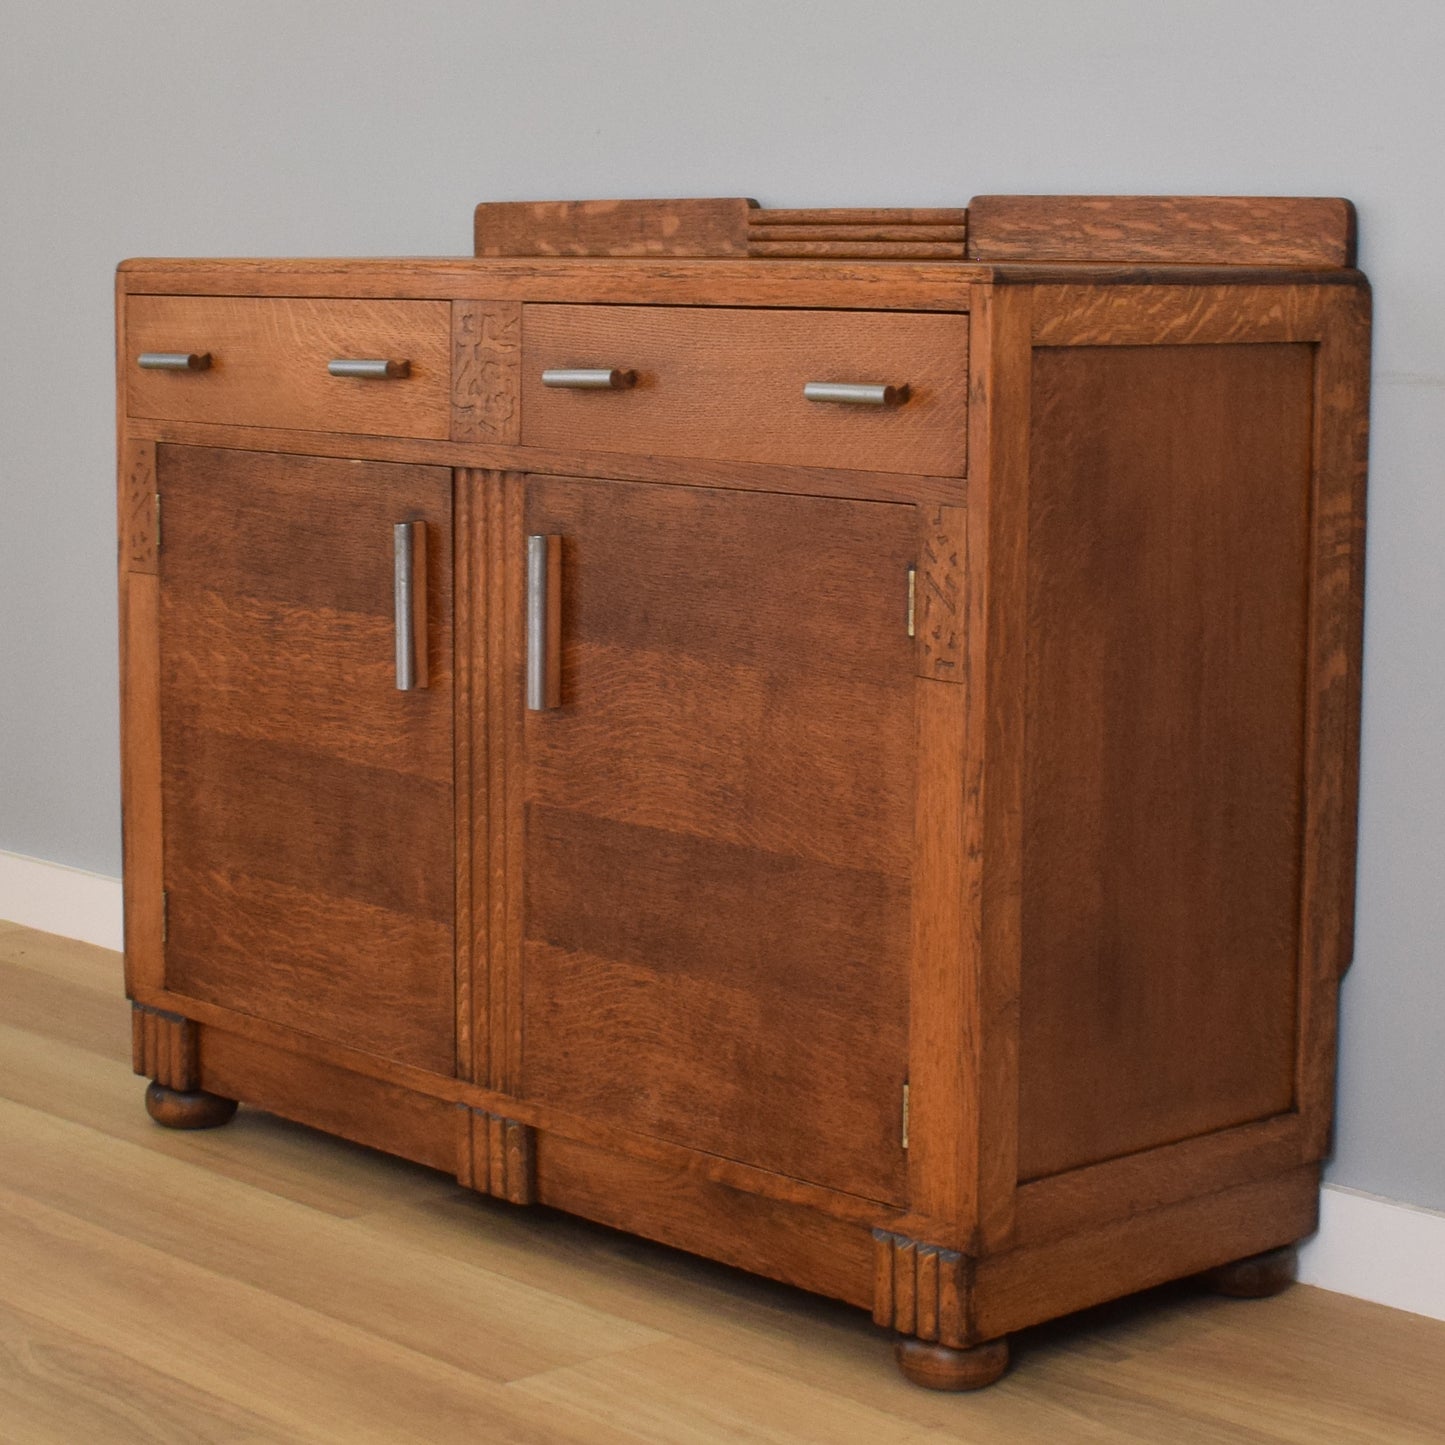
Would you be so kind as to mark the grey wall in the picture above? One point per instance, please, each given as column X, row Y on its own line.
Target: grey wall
column 363, row 128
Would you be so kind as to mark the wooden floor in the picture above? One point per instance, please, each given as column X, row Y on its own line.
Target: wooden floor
column 262, row 1282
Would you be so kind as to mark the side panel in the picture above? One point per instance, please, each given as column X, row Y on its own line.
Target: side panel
column 1168, row 599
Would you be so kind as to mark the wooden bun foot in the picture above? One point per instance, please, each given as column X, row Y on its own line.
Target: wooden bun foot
column 939, row 1367
column 197, row 1110
column 1257, row 1277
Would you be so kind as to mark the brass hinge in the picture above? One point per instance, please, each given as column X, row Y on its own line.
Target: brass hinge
column 905, row 1116
column 912, row 596
column 158, row 521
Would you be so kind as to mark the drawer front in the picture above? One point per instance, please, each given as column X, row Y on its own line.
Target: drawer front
column 727, row 385
column 269, row 360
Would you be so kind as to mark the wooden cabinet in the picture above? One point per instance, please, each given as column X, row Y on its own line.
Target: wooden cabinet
column 824, row 739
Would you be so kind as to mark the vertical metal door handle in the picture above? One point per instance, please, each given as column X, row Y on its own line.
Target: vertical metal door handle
column 544, row 622
column 409, row 599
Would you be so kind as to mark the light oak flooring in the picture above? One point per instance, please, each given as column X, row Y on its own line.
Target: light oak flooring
column 262, row 1282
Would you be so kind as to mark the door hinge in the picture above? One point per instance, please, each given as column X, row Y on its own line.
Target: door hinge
column 912, row 596
column 165, row 917
column 158, row 521
column 905, row 1116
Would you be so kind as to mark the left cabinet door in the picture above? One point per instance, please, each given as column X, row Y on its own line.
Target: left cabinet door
column 307, row 798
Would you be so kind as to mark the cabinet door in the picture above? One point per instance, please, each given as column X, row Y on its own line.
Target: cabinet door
column 719, row 826
column 307, row 802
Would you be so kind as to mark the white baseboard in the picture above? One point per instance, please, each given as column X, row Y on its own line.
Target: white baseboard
column 1378, row 1249
column 1368, row 1247
column 57, row 899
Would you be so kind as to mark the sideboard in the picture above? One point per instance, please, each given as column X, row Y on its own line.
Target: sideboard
column 824, row 738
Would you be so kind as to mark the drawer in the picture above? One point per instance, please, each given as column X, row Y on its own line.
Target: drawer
column 724, row 384
column 269, row 359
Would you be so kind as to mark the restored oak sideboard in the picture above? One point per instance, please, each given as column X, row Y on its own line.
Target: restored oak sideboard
column 824, row 738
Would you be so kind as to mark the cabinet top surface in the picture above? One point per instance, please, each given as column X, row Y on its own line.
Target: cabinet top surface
column 884, row 285
column 733, row 252
column 1194, row 230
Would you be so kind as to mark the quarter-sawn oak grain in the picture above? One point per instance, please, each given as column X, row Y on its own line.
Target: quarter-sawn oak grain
column 308, row 803
column 727, row 385
column 269, row 360
column 736, row 713
column 1169, row 498
column 1238, row 230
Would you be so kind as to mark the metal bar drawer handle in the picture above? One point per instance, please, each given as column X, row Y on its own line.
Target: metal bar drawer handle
column 856, row 393
column 544, row 622
column 582, row 379
column 377, row 370
column 408, row 549
column 174, row 361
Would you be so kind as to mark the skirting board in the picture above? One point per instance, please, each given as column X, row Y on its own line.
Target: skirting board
column 57, row 899
column 1378, row 1249
column 1368, row 1247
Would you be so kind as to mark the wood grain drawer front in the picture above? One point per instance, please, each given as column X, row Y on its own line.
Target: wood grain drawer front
column 727, row 385
column 270, row 358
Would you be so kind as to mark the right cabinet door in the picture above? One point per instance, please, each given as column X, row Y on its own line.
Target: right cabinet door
column 719, row 825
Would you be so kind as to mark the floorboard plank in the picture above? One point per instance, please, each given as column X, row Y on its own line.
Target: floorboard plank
column 83, row 965
column 676, row 1393
column 469, row 1317
column 57, row 1388
column 304, row 1371
column 286, row 1159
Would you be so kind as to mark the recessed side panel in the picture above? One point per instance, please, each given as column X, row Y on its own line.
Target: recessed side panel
column 1167, row 603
